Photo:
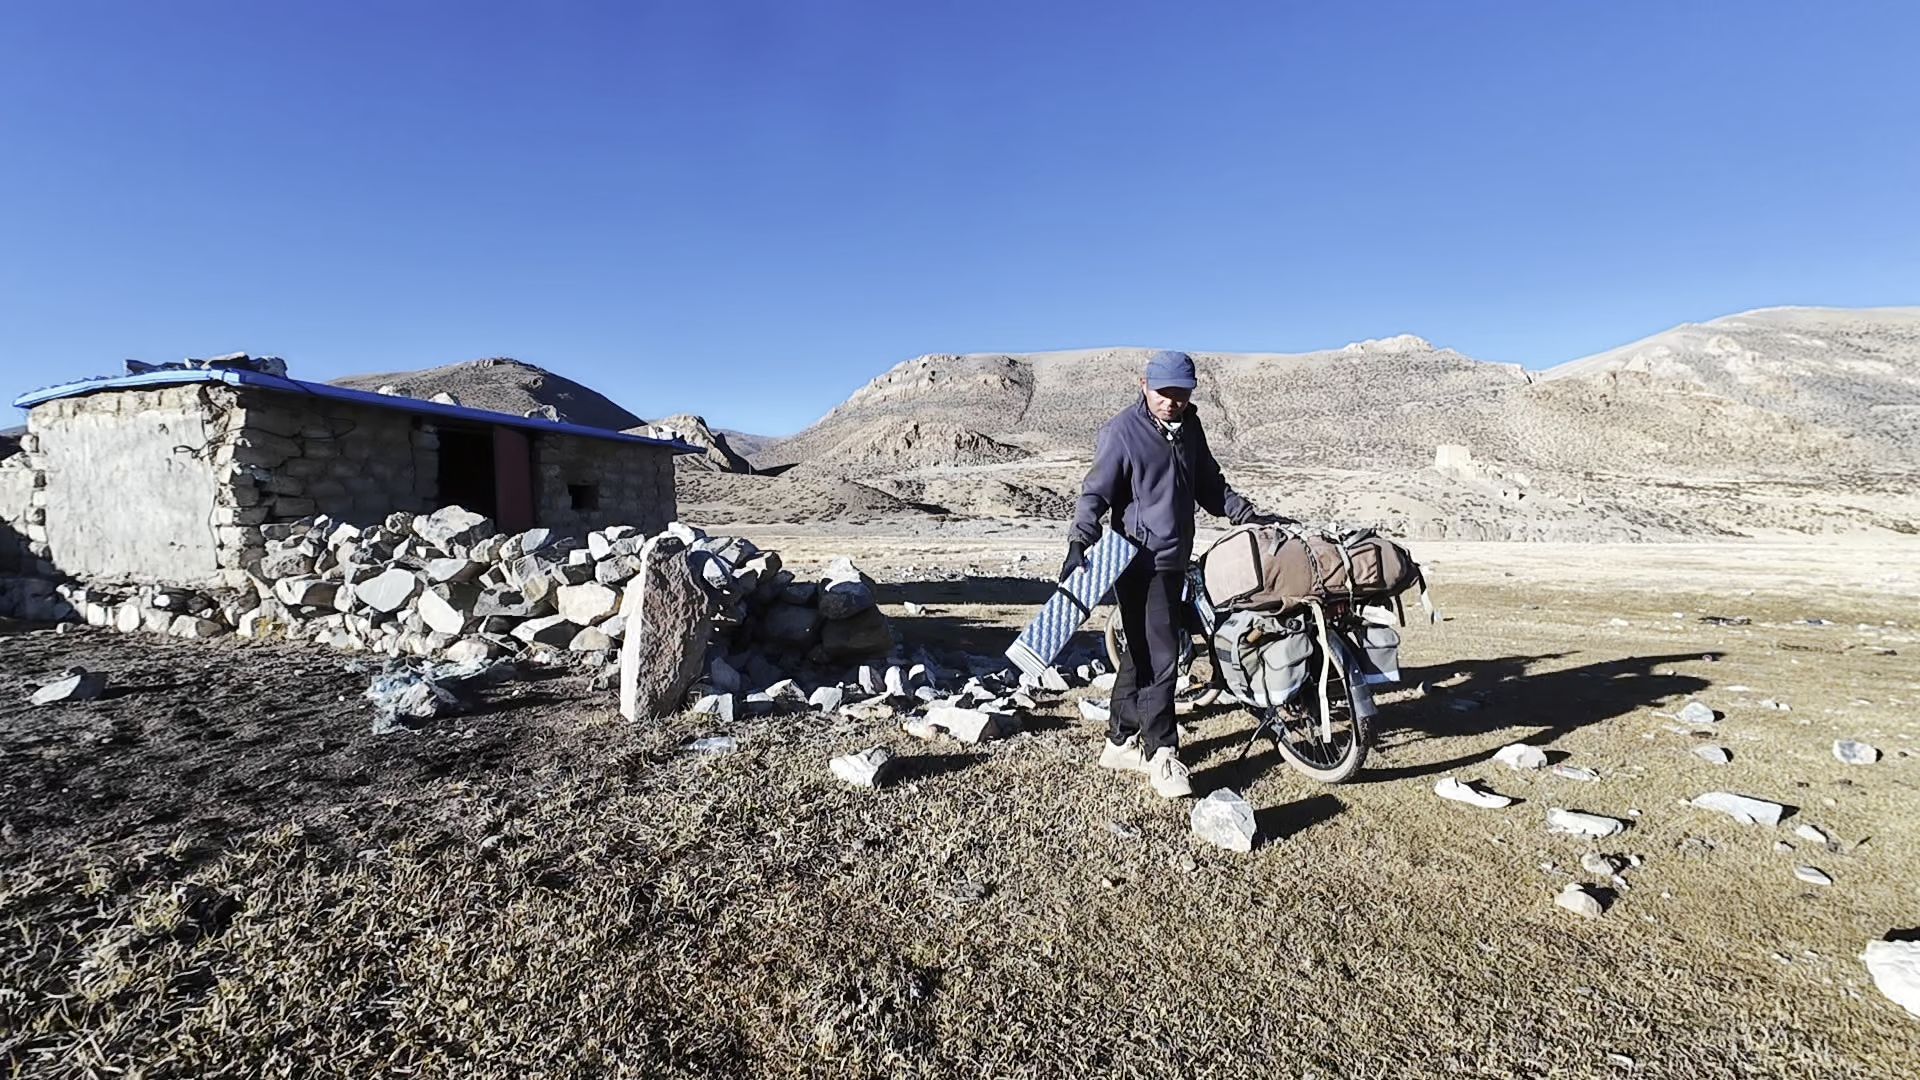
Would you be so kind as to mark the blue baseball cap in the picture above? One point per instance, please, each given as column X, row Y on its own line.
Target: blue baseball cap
column 1166, row 368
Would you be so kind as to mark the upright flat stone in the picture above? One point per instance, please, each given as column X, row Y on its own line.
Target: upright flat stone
column 668, row 623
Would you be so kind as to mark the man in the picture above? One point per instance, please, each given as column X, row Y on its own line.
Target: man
column 1151, row 466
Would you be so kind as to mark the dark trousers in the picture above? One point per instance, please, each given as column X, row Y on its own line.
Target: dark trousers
column 1149, row 602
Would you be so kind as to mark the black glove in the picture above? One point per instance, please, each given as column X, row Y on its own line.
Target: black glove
column 1076, row 558
column 1270, row 519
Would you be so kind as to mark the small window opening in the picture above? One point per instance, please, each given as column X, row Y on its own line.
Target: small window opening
column 584, row 496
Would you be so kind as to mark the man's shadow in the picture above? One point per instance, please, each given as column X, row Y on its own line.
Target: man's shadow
column 1500, row 695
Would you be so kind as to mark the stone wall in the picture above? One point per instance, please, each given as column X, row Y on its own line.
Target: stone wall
column 127, row 485
column 175, row 484
column 580, row 485
column 289, row 457
column 18, row 482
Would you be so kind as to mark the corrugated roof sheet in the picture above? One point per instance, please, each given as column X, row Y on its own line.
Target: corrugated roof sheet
column 261, row 381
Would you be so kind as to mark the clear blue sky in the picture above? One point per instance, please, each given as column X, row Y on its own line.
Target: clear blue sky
column 750, row 209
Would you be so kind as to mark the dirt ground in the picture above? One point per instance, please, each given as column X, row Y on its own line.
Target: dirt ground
column 219, row 870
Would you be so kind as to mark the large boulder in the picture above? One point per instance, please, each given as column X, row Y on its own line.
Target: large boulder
column 668, row 623
column 586, row 604
column 389, row 591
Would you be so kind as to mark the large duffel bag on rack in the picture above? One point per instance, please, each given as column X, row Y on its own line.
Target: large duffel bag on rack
column 1275, row 568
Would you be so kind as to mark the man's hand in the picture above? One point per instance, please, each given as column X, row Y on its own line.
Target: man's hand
column 1270, row 519
column 1076, row 558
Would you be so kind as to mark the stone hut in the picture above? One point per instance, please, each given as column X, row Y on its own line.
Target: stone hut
column 169, row 475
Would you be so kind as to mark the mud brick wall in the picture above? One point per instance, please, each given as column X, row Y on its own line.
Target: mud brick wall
column 127, row 487
column 580, row 485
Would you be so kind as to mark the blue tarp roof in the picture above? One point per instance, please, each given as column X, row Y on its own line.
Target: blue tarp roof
column 262, row 381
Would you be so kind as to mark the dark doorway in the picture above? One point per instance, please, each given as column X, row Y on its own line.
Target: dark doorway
column 466, row 469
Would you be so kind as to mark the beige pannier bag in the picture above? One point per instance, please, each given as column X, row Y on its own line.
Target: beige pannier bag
column 1274, row 568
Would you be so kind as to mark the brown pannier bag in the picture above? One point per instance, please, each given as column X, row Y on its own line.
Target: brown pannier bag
column 1270, row 568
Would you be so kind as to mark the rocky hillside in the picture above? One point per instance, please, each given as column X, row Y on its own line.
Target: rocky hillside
column 1777, row 393
column 718, row 455
column 503, row 384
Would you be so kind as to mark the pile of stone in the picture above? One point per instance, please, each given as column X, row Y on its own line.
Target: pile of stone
column 448, row 585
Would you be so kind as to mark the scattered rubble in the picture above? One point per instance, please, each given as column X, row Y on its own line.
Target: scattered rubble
column 1520, row 756
column 1576, row 898
column 1745, row 810
column 1895, row 967
column 1854, row 752
column 866, row 769
column 1465, row 792
column 1580, row 824
column 1224, row 819
column 1695, row 712
column 406, row 696
column 1812, row 875
column 77, row 685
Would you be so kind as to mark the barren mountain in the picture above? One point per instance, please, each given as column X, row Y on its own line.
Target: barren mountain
column 718, row 455
column 503, row 384
column 1785, row 419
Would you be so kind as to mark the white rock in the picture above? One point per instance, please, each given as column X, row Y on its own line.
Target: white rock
column 305, row 592
column 591, row 639
column 870, row 682
column 787, row 695
column 1575, row 898
column 1094, row 711
column 79, row 686
column 971, row 726
column 1593, row 862
column 440, row 615
column 547, row 630
column 1224, row 819
column 1811, row 833
column 584, row 605
column 389, row 591
column 826, row 699
column 866, row 769
column 1895, row 967
column 1520, row 756
column 1812, row 875
column 1747, row 811
column 468, row 650
column 195, row 628
column 1578, row 824
column 452, row 526
column 1574, row 772
column 714, row 744
column 1695, row 712
column 896, row 682
column 1718, row 755
column 1854, row 752
column 1051, row 679
column 1456, row 791
column 914, row 609
column 1104, row 683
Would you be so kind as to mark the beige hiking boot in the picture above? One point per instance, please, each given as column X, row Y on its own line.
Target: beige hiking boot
column 1168, row 774
column 1125, row 756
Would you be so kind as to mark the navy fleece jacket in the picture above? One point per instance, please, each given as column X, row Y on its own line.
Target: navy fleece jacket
column 1151, row 484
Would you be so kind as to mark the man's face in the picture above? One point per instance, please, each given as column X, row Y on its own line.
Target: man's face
column 1168, row 404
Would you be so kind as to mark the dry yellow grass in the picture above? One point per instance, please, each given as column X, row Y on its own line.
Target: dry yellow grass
column 542, row 891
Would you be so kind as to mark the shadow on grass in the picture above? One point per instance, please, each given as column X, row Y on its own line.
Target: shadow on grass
column 1277, row 823
column 932, row 766
column 1533, row 708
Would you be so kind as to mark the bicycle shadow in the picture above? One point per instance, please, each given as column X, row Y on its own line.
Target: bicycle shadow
column 1482, row 698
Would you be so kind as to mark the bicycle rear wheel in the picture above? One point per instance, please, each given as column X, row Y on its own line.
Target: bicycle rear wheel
column 1330, row 753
